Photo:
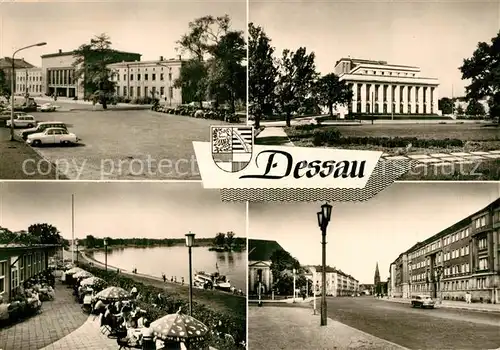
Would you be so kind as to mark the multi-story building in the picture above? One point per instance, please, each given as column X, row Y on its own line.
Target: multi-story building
column 338, row 283
column 29, row 81
column 380, row 88
column 58, row 73
column 6, row 67
column 154, row 79
column 464, row 257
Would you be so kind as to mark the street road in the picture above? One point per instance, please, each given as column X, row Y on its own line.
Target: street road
column 127, row 144
column 418, row 328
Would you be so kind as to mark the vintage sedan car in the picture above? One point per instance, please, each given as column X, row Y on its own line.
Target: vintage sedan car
column 48, row 107
column 22, row 120
column 41, row 127
column 52, row 136
column 422, row 301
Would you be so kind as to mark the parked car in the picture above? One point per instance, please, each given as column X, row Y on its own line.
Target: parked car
column 52, row 136
column 41, row 127
column 48, row 107
column 422, row 301
column 22, row 120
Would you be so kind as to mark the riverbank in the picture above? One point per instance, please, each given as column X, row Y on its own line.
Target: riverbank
column 218, row 300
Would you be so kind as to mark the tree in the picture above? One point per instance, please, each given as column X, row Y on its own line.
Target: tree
column 226, row 73
column 475, row 109
column 445, row 104
column 230, row 238
column 5, row 89
column 45, row 233
column 262, row 73
column 199, row 42
column 297, row 73
column 90, row 241
column 220, row 239
column 331, row 92
column 460, row 110
column 91, row 63
column 282, row 265
column 483, row 71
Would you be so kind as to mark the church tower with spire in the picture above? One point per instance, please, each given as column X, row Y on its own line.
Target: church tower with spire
column 376, row 279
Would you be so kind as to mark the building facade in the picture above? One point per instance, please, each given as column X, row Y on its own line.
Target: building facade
column 464, row 257
column 29, row 82
column 6, row 67
column 338, row 283
column 259, row 265
column 58, row 73
column 18, row 263
column 153, row 79
column 380, row 88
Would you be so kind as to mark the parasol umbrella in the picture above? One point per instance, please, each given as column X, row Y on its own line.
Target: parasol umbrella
column 73, row 270
column 179, row 327
column 92, row 281
column 82, row 274
column 113, row 293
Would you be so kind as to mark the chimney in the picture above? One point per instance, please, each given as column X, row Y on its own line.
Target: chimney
column 60, row 51
column 161, row 58
column 179, row 57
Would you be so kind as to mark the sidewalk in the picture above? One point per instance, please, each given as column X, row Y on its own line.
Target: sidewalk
column 297, row 328
column 59, row 318
column 275, row 136
column 285, row 301
column 448, row 304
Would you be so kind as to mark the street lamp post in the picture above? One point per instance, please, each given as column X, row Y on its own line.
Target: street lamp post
column 294, row 272
column 324, row 217
column 105, row 254
column 76, row 244
column 13, row 86
column 189, row 244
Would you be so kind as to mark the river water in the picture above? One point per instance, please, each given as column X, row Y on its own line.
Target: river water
column 174, row 261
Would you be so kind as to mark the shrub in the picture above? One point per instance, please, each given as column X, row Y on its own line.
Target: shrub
column 326, row 137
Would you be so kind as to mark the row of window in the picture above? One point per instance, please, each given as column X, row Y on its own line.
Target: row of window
column 463, row 251
column 456, row 236
column 146, row 77
column 375, row 72
column 122, row 91
column 480, row 222
column 29, row 78
column 446, row 241
column 61, row 76
column 480, row 283
column 482, row 243
column 29, row 88
column 457, row 270
column 376, row 109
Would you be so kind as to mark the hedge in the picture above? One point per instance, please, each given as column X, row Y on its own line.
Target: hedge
column 235, row 326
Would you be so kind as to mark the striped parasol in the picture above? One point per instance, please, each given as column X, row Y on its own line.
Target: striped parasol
column 113, row 293
column 179, row 327
column 93, row 281
column 82, row 274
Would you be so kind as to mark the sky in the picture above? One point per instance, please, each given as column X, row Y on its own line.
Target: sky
column 361, row 234
column 121, row 210
column 433, row 35
column 148, row 28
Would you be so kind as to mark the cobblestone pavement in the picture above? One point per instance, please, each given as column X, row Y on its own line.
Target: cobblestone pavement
column 443, row 159
column 59, row 318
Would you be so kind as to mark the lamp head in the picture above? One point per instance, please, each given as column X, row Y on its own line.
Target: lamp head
column 41, row 44
column 320, row 219
column 76, row 242
column 190, row 239
column 105, row 242
column 326, row 209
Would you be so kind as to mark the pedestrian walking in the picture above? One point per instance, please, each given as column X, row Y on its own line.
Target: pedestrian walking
column 182, row 281
column 164, row 278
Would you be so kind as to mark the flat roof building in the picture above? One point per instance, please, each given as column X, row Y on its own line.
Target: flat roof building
column 382, row 89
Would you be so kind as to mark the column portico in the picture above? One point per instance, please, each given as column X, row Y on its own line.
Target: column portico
column 397, row 99
column 434, row 100
column 355, row 97
column 389, row 99
column 363, row 98
column 421, row 99
column 404, row 99
column 413, row 99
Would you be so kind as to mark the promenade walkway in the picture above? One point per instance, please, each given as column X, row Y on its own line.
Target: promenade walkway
column 59, row 318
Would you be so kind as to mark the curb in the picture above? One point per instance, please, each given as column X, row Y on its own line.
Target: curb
column 451, row 307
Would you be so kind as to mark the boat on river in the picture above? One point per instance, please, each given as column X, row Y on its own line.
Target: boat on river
column 212, row 280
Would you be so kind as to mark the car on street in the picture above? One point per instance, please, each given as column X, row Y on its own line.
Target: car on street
column 22, row 120
column 422, row 301
column 41, row 127
column 48, row 107
column 52, row 136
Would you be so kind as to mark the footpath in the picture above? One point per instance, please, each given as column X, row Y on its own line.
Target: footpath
column 273, row 328
column 448, row 304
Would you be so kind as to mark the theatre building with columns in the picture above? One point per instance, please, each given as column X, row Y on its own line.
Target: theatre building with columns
column 391, row 90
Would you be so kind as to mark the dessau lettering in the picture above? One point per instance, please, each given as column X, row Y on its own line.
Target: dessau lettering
column 284, row 162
